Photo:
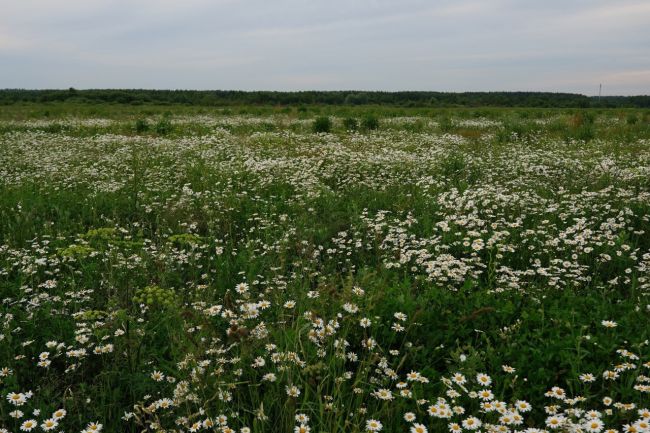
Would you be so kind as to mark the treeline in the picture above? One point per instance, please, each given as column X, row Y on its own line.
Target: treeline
column 404, row 99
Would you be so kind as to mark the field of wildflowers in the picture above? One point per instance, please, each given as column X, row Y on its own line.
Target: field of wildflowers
column 448, row 271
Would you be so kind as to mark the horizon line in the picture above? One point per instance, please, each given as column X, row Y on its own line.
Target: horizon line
column 314, row 90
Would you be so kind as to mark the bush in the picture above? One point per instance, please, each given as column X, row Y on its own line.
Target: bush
column 370, row 122
column 141, row 126
column 582, row 118
column 584, row 133
column 322, row 124
column 445, row 124
column 513, row 130
column 350, row 124
column 631, row 119
column 417, row 126
column 164, row 127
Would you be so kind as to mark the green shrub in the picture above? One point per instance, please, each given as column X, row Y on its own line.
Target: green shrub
column 322, row 124
column 631, row 119
column 584, row 132
column 417, row 126
column 513, row 130
column 582, row 118
column 350, row 124
column 141, row 125
column 445, row 124
column 370, row 123
column 164, row 127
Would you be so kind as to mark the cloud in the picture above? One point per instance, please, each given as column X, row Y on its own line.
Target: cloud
column 10, row 42
column 568, row 45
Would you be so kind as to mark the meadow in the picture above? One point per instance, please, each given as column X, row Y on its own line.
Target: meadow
column 324, row 269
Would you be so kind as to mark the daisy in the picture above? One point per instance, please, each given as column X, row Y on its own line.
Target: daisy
column 17, row 398
column 610, row 375
column 642, row 425
column 94, row 427
column 523, row 406
column 557, row 392
column 418, row 428
column 302, row 428
column 413, row 375
column 594, row 425
column 164, row 403
column 302, row 418
column 554, row 421
column 486, row 394
column 269, row 377
column 28, row 425
column 472, row 423
column 587, row 377
column 292, row 391
column 49, row 424
column 373, row 425
column 459, row 379
column 384, row 394
column 483, row 379
column 241, row 288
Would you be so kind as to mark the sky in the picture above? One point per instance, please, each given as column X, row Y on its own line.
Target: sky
column 444, row 45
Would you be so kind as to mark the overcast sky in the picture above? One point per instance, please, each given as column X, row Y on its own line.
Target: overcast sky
column 461, row 45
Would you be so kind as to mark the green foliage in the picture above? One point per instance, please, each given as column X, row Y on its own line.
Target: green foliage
column 220, row 98
column 91, row 315
column 102, row 233
column 445, row 124
column 185, row 239
column 322, row 124
column 631, row 119
column 192, row 266
column 370, row 122
column 155, row 297
column 581, row 126
column 350, row 124
column 456, row 169
column 141, row 126
column 164, row 126
column 584, row 132
column 76, row 251
column 514, row 130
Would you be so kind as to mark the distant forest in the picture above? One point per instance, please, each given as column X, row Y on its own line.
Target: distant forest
column 347, row 97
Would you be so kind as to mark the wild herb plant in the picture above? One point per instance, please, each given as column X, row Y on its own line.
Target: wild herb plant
column 457, row 270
